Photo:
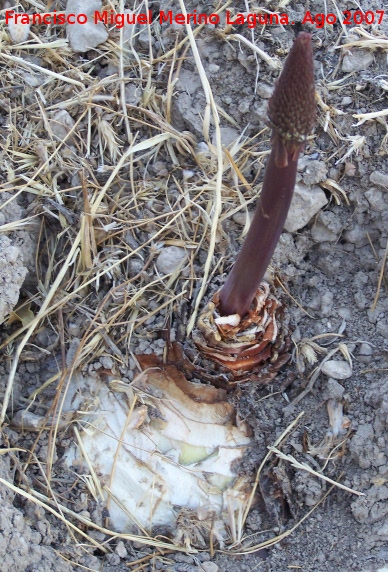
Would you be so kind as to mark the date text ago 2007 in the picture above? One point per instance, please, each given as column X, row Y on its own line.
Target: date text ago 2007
column 350, row 18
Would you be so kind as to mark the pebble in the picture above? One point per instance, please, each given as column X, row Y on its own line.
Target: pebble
column 145, row 38
column 379, row 178
column 357, row 235
column 337, row 369
column 375, row 198
column 209, row 567
column 365, row 353
column 357, row 60
column 333, row 390
column 214, row 68
column 228, row 136
column 132, row 94
column 241, row 218
column 170, row 258
column 306, row 202
column 315, row 172
column 320, row 233
column 61, row 123
column 83, row 37
column 346, row 100
column 18, row 32
column 121, row 550
column 28, row 421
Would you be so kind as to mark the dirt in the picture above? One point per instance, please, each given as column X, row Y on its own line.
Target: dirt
column 333, row 269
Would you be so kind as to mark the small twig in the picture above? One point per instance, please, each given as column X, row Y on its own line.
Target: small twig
column 305, row 467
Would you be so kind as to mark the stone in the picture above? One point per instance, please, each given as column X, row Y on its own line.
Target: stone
column 241, row 217
column 188, row 82
column 84, row 37
column 170, row 258
column 379, row 178
column 337, row 369
column 18, row 32
column 121, row 550
column 315, row 172
column 61, row 123
column 12, row 274
column 209, row 567
column 361, row 445
column 133, row 94
column 228, row 136
column 333, row 390
column 321, row 233
column 357, row 60
column 365, row 353
column 306, row 202
column 376, row 199
column 357, row 235
column 145, row 39
column 346, row 100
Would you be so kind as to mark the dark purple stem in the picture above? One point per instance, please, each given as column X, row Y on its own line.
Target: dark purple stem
column 291, row 112
column 271, row 212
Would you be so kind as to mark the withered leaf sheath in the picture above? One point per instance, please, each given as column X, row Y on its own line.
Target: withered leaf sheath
column 291, row 113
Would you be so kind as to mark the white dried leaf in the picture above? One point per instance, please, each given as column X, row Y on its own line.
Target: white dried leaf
column 184, row 454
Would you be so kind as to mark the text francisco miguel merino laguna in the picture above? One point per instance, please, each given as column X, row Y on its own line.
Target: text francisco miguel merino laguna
column 111, row 18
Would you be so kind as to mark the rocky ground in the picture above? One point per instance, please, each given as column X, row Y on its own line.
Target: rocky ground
column 90, row 230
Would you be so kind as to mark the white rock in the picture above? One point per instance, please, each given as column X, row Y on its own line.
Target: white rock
column 337, row 369
column 357, row 60
column 170, row 258
column 18, row 32
column 83, row 37
column 306, row 202
column 121, row 550
column 241, row 217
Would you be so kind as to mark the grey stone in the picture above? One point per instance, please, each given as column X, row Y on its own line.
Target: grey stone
column 361, row 445
column 315, row 172
column 186, row 113
column 228, row 136
column 346, row 100
column 376, row 199
column 365, row 353
column 209, row 567
column 337, row 369
column 145, row 39
column 83, row 37
column 241, row 218
column 188, row 82
column 170, row 258
column 132, row 94
column 357, row 60
column 306, row 202
column 333, row 390
column 379, row 178
column 321, row 233
column 61, row 123
column 121, row 550
column 357, row 236
column 12, row 274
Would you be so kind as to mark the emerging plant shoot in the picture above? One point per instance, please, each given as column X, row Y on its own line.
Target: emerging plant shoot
column 291, row 112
